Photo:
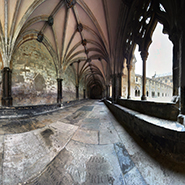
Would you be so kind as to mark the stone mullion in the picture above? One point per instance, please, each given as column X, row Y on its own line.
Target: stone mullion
column 144, row 55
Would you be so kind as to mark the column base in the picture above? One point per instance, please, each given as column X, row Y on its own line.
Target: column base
column 181, row 119
column 143, row 97
column 175, row 99
column 128, row 97
column 59, row 100
column 7, row 102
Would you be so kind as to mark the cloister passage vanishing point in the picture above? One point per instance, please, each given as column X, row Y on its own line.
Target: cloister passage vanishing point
column 56, row 54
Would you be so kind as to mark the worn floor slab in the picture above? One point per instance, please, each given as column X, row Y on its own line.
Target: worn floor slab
column 79, row 145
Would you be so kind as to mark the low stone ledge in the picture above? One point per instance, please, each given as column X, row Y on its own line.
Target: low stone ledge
column 168, row 141
column 168, row 111
column 32, row 110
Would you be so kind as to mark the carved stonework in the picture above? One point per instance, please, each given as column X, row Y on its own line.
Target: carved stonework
column 86, row 51
column 88, row 60
column 80, row 27
column 84, row 42
column 70, row 3
column 50, row 21
column 40, row 37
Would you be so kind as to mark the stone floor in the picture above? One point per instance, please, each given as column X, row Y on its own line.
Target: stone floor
column 79, row 145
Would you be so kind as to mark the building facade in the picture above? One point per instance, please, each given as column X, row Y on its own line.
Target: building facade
column 159, row 86
column 155, row 88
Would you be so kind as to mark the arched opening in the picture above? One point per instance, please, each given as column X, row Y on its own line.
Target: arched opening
column 158, row 65
column 136, row 93
column 96, row 92
column 147, row 93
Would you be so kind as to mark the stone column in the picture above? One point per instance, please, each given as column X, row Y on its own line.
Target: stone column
column 182, row 108
column 7, row 99
column 175, row 68
column 113, row 88
column 119, row 86
column 59, row 94
column 77, row 92
column 84, row 94
column 144, row 55
column 181, row 117
column 107, row 91
column 129, row 77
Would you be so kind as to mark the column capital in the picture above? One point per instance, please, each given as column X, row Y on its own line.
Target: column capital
column 129, row 66
column 59, row 79
column 144, row 55
column 6, row 69
column 119, row 74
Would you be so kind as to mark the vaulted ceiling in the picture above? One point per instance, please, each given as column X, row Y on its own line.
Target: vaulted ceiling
column 91, row 36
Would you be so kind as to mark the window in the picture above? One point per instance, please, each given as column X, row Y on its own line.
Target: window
column 136, row 79
column 136, row 93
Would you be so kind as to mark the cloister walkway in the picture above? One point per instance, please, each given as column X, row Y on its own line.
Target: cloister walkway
column 80, row 144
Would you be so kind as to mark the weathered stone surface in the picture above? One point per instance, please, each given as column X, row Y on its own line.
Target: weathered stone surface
column 34, row 77
column 91, row 124
column 107, row 133
column 99, row 162
column 86, row 108
column 26, row 154
column 1, row 158
column 134, row 177
column 87, row 136
column 125, row 161
column 167, row 111
column 165, row 139
column 55, row 173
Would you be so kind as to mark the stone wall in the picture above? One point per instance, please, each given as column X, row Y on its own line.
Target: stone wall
column 168, row 140
column 69, row 86
column 34, row 77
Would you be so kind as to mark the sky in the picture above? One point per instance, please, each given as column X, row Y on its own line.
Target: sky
column 160, row 54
